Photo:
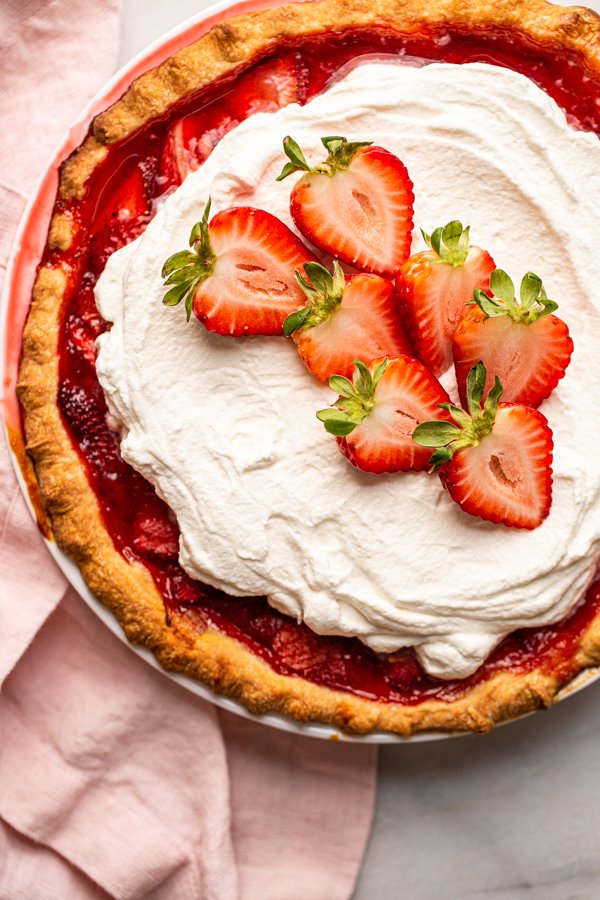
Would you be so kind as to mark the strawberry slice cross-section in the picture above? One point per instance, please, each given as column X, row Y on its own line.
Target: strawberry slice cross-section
column 374, row 417
column 496, row 461
column 239, row 275
column 521, row 341
column 357, row 205
column 435, row 287
column 346, row 317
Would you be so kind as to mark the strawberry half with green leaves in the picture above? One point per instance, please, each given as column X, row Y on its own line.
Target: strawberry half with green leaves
column 347, row 316
column 238, row 277
column 436, row 285
column 521, row 341
column 496, row 462
column 357, row 205
column 376, row 413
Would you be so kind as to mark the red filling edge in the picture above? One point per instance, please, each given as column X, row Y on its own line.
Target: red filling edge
column 118, row 204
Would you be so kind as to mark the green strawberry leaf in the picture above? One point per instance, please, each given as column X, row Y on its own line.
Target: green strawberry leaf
column 296, row 320
column 460, row 416
column 336, row 422
column 490, row 407
column 175, row 295
column 177, row 260
column 450, row 243
column 187, row 269
column 502, row 286
column 472, row 427
column 488, row 305
column 297, row 160
column 341, row 385
column 363, row 380
column 531, row 289
column 324, row 291
column 475, row 387
column 435, row 433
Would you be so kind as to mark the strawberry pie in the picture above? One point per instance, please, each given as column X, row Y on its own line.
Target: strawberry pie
column 307, row 375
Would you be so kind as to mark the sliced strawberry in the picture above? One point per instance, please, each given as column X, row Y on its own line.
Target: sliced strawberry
column 111, row 238
column 435, row 287
column 357, row 205
column 265, row 88
column 496, row 463
column 156, row 537
column 120, row 215
column 348, row 317
column 124, row 197
column 190, row 141
column 273, row 84
column 84, row 408
column 377, row 412
column 522, row 343
column 507, row 477
column 298, row 648
column 239, row 275
column 85, row 324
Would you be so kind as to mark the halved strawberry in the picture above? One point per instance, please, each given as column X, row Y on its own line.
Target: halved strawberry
column 239, row 275
column 436, row 285
column 376, row 414
column 265, row 88
column 496, row 463
column 348, row 316
column 526, row 346
column 357, row 205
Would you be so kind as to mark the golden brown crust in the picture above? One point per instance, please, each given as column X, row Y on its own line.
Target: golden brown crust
column 226, row 665
column 236, row 42
column 239, row 40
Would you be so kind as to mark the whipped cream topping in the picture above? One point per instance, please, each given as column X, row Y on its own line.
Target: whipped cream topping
column 226, row 431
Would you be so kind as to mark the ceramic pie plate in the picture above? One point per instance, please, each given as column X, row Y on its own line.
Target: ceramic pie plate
column 28, row 249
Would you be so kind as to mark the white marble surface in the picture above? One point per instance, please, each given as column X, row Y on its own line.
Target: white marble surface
column 514, row 815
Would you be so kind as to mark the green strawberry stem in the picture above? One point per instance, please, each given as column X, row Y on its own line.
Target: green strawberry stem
column 340, row 153
column 532, row 305
column 471, row 427
column 324, row 290
column 186, row 269
column 450, row 243
column 356, row 400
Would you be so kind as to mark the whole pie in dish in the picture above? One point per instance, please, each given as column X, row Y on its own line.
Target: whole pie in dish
column 186, row 472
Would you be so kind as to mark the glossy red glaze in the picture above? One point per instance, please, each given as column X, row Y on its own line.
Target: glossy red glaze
column 117, row 206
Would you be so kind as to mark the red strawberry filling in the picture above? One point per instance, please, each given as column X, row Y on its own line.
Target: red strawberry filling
column 116, row 208
column 265, row 88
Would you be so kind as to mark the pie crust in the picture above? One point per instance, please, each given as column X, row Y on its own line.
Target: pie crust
column 128, row 589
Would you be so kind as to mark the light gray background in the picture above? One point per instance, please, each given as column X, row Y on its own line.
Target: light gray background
column 514, row 815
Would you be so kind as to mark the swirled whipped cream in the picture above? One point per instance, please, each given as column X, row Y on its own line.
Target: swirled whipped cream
column 226, row 431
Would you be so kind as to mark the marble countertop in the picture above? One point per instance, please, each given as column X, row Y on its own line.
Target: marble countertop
column 512, row 815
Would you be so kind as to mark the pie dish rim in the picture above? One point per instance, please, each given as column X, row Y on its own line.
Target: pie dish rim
column 539, row 689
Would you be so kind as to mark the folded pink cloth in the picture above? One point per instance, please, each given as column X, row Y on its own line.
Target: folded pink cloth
column 115, row 781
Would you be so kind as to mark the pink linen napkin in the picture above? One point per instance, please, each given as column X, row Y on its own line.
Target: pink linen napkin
column 115, row 781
